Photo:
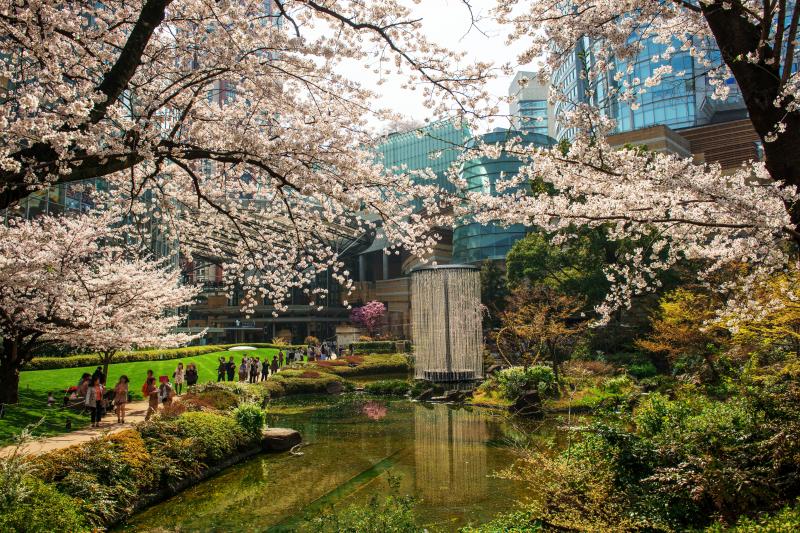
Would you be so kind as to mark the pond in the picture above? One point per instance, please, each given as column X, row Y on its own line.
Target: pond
column 443, row 455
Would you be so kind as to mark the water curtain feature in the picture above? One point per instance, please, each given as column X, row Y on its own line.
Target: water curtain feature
column 446, row 312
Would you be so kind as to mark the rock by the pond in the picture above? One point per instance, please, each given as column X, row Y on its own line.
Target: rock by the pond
column 494, row 369
column 528, row 404
column 449, row 396
column 426, row 395
column 279, row 439
column 334, row 387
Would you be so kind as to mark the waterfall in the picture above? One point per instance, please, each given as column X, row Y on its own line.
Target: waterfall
column 446, row 323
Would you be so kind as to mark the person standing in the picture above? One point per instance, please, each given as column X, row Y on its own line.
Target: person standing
column 191, row 375
column 243, row 370
column 94, row 400
column 178, row 376
column 274, row 366
column 144, row 385
column 165, row 391
column 280, row 358
column 121, row 398
column 151, row 393
column 264, row 369
column 231, row 369
column 222, row 367
column 255, row 366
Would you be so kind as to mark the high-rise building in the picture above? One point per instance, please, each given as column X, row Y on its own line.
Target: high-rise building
column 529, row 108
column 682, row 99
column 474, row 242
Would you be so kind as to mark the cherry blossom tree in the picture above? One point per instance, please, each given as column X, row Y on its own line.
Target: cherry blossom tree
column 677, row 209
column 228, row 125
column 66, row 280
column 370, row 315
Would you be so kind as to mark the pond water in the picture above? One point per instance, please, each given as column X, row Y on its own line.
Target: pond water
column 445, row 456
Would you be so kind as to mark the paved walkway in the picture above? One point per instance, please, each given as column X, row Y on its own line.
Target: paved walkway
column 135, row 412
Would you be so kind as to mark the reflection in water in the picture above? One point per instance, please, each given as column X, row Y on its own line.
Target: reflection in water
column 450, row 454
column 439, row 454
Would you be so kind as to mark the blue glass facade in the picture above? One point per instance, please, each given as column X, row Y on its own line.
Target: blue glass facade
column 533, row 114
column 681, row 100
column 433, row 147
column 473, row 242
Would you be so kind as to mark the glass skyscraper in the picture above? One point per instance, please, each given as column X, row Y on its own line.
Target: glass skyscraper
column 681, row 100
column 474, row 242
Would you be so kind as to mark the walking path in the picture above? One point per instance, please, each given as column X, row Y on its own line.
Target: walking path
column 135, row 412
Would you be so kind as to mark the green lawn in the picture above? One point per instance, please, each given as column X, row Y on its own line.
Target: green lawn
column 35, row 384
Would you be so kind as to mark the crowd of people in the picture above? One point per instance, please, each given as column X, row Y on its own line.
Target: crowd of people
column 92, row 394
column 253, row 369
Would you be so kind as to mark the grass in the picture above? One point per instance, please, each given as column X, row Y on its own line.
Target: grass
column 35, row 384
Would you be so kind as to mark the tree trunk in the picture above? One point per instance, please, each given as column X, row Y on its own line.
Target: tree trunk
column 9, row 372
column 760, row 84
column 105, row 358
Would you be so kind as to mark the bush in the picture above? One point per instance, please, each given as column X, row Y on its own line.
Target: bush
column 388, row 387
column 311, row 340
column 616, row 385
column 516, row 380
column 42, row 510
column 75, row 361
column 375, row 347
column 251, row 417
column 642, row 370
column 302, row 381
column 215, row 436
column 366, row 365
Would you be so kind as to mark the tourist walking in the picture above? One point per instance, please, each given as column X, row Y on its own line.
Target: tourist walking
column 151, row 393
column 94, row 400
column 178, row 376
column 243, row 370
column 274, row 366
column 144, row 385
column 221, row 369
column 121, row 398
column 191, row 375
column 280, row 358
column 231, row 369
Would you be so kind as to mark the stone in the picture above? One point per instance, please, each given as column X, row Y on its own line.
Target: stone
column 280, row 439
column 494, row 369
column 334, row 387
column 528, row 404
column 426, row 395
column 449, row 396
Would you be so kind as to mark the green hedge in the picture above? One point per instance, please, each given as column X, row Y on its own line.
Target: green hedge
column 388, row 387
column 75, row 361
column 375, row 347
column 372, row 364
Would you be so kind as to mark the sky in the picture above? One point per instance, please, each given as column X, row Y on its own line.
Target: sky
column 447, row 23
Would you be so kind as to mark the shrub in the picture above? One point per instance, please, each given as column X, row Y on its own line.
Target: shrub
column 642, row 370
column 616, row 385
column 214, row 435
column 308, row 375
column 516, row 380
column 302, row 382
column 579, row 368
column 251, row 417
column 388, row 387
column 374, row 347
column 42, row 510
column 367, row 365
column 311, row 340
column 74, row 361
